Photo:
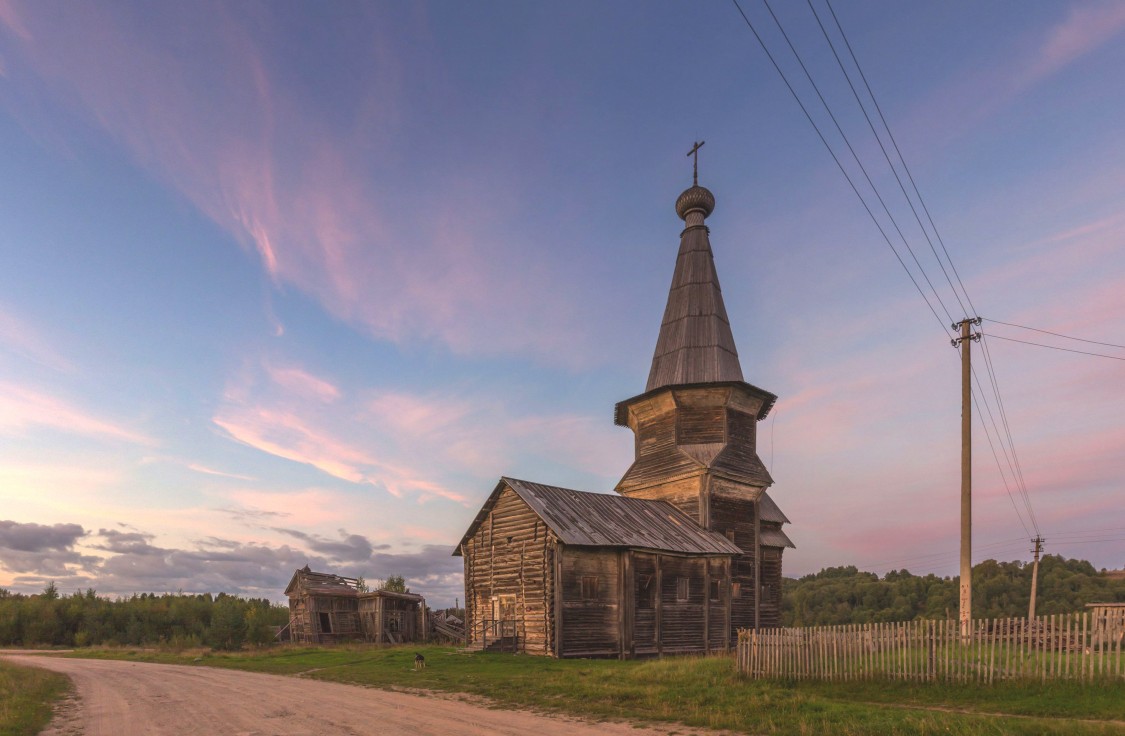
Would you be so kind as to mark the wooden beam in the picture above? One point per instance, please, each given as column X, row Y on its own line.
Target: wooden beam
column 559, row 648
column 659, row 607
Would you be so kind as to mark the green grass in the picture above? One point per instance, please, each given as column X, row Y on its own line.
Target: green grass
column 26, row 697
column 701, row 692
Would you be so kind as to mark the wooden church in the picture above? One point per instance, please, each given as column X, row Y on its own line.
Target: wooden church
column 689, row 549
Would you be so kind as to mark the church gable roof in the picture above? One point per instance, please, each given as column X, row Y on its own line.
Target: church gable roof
column 586, row 519
column 695, row 343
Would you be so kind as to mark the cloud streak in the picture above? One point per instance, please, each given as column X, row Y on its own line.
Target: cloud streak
column 306, row 193
column 23, row 408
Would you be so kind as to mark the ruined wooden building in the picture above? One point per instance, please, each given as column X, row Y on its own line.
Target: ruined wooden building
column 326, row 608
column 690, row 549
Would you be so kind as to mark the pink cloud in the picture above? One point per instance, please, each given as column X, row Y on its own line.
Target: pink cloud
column 984, row 90
column 1087, row 27
column 10, row 17
column 219, row 473
column 20, row 338
column 307, row 194
column 22, row 408
column 304, row 383
column 288, row 427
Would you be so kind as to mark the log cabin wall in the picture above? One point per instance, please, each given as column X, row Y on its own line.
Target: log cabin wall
column 682, row 599
column 771, row 587
column 734, row 518
column 300, row 621
column 592, row 594
column 509, row 571
column 646, row 606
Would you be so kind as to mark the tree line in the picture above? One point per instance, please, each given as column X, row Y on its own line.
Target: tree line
column 845, row 595
column 178, row 620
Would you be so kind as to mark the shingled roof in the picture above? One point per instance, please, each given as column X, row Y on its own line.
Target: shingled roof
column 695, row 343
column 588, row 519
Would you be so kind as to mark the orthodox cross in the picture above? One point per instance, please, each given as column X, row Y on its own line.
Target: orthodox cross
column 695, row 166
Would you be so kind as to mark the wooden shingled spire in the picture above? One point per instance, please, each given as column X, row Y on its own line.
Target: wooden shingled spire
column 695, row 343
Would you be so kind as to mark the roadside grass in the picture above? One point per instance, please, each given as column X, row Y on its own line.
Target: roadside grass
column 693, row 691
column 26, row 697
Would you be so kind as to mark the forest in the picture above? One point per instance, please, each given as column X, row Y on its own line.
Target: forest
column 845, row 595
column 835, row 595
column 176, row 620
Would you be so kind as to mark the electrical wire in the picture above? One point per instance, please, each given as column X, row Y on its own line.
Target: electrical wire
column 1008, row 431
column 886, row 156
column 1011, row 457
column 996, row 457
column 1055, row 347
column 832, row 153
column 890, row 135
column 855, row 156
column 1056, row 334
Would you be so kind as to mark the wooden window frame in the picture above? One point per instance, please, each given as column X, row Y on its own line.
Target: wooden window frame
column 716, row 593
column 591, row 587
column 683, row 589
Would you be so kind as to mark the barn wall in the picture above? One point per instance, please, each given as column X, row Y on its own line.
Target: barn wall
column 509, row 572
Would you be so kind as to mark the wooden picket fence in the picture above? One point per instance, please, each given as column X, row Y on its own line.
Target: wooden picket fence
column 1078, row 646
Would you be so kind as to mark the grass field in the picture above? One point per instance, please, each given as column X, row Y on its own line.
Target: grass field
column 26, row 697
column 701, row 692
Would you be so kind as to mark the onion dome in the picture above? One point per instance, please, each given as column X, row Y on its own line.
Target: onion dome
column 695, row 199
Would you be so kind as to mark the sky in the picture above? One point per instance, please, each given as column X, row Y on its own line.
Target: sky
column 289, row 283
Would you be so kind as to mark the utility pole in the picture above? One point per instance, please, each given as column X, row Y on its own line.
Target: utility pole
column 966, row 338
column 1035, row 575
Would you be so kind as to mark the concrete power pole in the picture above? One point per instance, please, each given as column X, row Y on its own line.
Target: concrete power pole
column 1035, row 575
column 966, row 338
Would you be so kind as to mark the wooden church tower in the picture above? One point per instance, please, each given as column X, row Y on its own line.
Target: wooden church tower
column 696, row 426
column 688, row 551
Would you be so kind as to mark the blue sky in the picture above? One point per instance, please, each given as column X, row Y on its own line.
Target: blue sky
column 293, row 282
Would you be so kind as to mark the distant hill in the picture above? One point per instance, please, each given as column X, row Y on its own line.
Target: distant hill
column 845, row 595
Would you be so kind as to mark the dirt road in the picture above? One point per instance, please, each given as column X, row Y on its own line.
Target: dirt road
column 117, row 698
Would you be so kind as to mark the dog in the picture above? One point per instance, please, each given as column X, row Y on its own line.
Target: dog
column 419, row 662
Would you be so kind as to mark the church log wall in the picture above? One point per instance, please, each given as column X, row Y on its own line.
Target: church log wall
column 771, row 587
column 509, row 574
column 592, row 597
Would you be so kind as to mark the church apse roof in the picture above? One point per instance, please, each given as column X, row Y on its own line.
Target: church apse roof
column 588, row 519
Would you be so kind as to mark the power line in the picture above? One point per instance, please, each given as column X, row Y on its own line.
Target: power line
column 855, row 156
column 1089, row 541
column 1056, row 334
column 894, row 142
column 1017, row 470
column 1055, row 347
column 1091, row 531
column 996, row 457
column 1012, row 458
column 832, row 153
column 1008, row 431
column 879, row 140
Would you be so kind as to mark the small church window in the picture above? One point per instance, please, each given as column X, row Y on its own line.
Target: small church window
column 683, row 588
column 730, row 534
column 589, row 587
column 736, row 590
column 646, row 592
column 716, row 590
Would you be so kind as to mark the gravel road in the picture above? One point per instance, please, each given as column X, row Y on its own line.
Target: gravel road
column 118, row 698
